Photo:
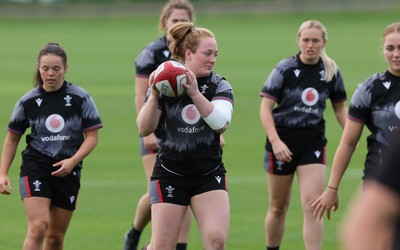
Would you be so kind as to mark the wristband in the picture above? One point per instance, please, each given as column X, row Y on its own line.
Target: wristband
column 333, row 188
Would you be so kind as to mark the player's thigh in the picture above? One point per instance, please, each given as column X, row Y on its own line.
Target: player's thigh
column 311, row 179
column 59, row 220
column 279, row 189
column 212, row 212
column 166, row 219
column 37, row 210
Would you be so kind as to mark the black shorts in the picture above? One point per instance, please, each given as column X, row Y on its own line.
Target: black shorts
column 179, row 189
column 301, row 156
column 62, row 191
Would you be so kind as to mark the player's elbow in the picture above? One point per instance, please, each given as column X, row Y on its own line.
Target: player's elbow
column 144, row 132
column 220, row 117
column 223, row 129
column 144, row 128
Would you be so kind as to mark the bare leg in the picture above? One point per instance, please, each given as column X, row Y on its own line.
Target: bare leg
column 311, row 181
column 59, row 222
column 185, row 228
column 212, row 213
column 143, row 212
column 37, row 212
column 166, row 224
column 279, row 189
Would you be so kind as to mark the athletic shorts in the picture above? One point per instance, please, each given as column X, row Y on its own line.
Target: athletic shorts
column 301, row 156
column 62, row 191
column 179, row 190
column 144, row 151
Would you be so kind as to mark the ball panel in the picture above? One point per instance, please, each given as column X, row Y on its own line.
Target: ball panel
column 169, row 77
column 165, row 88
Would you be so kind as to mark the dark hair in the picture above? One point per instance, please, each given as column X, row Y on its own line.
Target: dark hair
column 50, row 48
column 185, row 36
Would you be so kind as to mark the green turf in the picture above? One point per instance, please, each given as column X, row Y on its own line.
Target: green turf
column 101, row 53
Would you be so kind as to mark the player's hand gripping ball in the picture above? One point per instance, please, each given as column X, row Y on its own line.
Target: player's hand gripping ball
column 169, row 77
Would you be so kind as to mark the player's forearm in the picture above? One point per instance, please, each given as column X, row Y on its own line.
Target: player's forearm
column 9, row 150
column 148, row 117
column 90, row 142
column 340, row 162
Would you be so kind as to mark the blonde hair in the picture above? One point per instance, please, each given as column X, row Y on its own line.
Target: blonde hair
column 185, row 36
column 391, row 28
column 331, row 67
column 170, row 7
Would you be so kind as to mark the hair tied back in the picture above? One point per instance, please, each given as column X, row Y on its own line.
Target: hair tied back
column 190, row 29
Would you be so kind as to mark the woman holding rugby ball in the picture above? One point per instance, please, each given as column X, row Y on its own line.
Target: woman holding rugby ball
column 189, row 170
column 147, row 61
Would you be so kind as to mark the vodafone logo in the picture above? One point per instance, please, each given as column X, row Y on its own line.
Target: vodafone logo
column 190, row 114
column 55, row 123
column 310, row 96
column 397, row 109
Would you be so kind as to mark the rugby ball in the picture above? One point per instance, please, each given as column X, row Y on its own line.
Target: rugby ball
column 169, row 77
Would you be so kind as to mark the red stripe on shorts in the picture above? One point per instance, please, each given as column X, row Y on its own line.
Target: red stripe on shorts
column 271, row 163
column 159, row 191
column 28, row 188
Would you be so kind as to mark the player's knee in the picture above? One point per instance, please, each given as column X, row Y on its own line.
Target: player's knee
column 37, row 230
column 278, row 209
column 216, row 240
column 55, row 240
column 166, row 244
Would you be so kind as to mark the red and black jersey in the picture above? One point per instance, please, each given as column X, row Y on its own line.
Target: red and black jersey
column 152, row 56
column 57, row 120
column 188, row 145
column 301, row 91
column 376, row 103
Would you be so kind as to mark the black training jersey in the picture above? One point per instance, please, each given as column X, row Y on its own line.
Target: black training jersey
column 301, row 91
column 57, row 120
column 188, row 145
column 152, row 56
column 376, row 103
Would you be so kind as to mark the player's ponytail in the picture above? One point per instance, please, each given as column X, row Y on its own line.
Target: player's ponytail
column 178, row 40
column 331, row 68
column 184, row 36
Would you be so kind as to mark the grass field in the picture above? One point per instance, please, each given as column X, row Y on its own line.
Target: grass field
column 101, row 53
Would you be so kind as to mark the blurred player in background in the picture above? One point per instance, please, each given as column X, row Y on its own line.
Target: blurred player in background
column 147, row 61
column 64, row 124
column 377, row 209
column 299, row 87
column 375, row 104
column 189, row 170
